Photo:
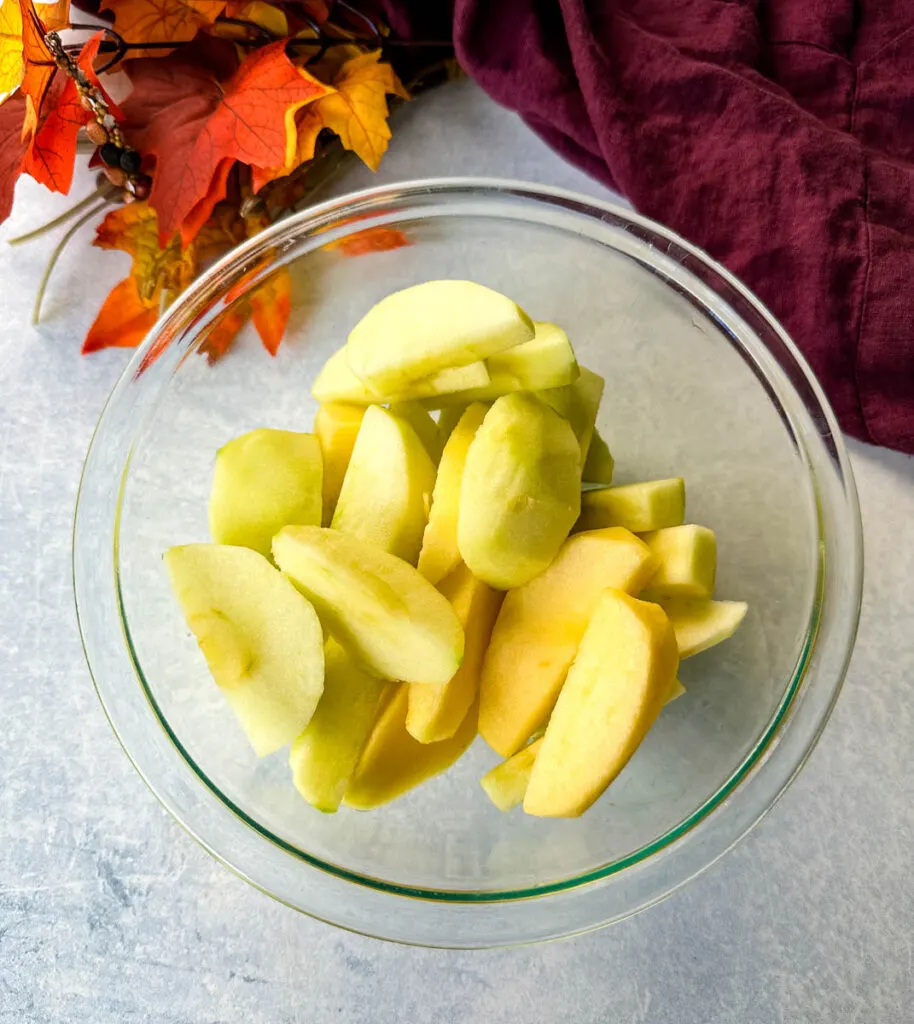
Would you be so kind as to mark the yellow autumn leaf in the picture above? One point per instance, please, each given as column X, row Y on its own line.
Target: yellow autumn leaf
column 11, row 65
column 54, row 16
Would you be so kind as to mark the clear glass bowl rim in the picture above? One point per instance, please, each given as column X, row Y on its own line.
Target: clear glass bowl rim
column 352, row 213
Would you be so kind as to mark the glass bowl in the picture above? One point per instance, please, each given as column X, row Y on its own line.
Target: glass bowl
column 700, row 382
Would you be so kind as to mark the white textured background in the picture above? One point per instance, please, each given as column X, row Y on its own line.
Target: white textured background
column 110, row 913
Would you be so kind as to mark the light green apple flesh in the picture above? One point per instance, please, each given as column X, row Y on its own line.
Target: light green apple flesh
column 652, row 505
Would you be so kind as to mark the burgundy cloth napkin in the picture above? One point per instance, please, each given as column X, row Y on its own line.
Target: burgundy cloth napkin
column 778, row 135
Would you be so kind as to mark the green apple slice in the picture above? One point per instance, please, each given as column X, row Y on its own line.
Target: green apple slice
column 337, row 426
column 700, row 624
column 579, row 403
column 688, row 562
column 506, row 784
column 599, row 464
column 419, row 418
column 261, row 638
column 651, row 505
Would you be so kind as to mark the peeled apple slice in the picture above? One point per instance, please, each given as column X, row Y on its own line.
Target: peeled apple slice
column 418, row 331
column 435, row 712
column 388, row 485
column 440, row 554
column 615, row 689
column 652, row 505
column 506, row 784
column 265, row 480
column 599, row 464
column 337, row 426
column 701, row 624
column 393, row 762
column 688, row 562
column 376, row 605
column 578, row 403
column 419, row 418
column 260, row 637
column 448, row 418
column 337, row 383
column 521, row 491
column 324, row 756
column 540, row 626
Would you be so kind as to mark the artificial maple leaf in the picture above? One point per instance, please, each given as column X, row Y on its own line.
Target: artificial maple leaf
column 38, row 69
column 54, row 16
column 161, row 21
column 202, row 210
column 271, row 305
column 124, row 319
column 220, row 336
column 249, row 117
column 223, row 231
column 11, row 66
column 266, row 15
column 308, row 126
column 12, row 150
column 379, row 239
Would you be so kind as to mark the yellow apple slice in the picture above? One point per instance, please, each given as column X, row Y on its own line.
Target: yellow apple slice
column 265, row 480
column 599, row 465
column 687, row 557
column 337, row 426
column 435, row 712
column 418, row 331
column 579, row 403
column 260, row 637
column 700, row 624
column 388, row 485
column 393, row 763
column 652, row 505
column 615, row 689
column 440, row 554
column 337, row 383
column 419, row 418
column 675, row 691
column 324, row 756
column 391, row 619
column 521, row 491
column 506, row 784
column 540, row 626
column 448, row 418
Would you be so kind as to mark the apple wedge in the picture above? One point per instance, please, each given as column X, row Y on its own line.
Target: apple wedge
column 599, row 464
column 388, row 485
column 261, row 639
column 521, row 491
column 435, row 712
column 421, row 330
column 393, row 763
column 652, row 505
column 337, row 426
column 419, row 418
column 540, row 625
column 687, row 557
column 615, row 689
column 265, row 480
column 448, row 418
column 578, row 403
column 700, row 624
column 440, row 554
column 391, row 619
column 324, row 756
column 506, row 784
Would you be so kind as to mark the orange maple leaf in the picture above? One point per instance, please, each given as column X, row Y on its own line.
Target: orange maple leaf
column 124, row 319
column 271, row 305
column 39, row 66
column 54, row 16
column 194, row 125
column 161, row 21
column 223, row 332
column 379, row 239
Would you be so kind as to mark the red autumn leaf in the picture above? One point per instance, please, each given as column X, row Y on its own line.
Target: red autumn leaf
column 216, row 192
column 161, row 21
column 371, row 240
column 196, row 121
column 124, row 319
column 271, row 305
column 12, row 150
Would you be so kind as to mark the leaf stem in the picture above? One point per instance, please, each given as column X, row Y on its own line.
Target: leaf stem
column 105, row 191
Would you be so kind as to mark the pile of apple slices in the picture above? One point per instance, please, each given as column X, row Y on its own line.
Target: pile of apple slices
column 384, row 588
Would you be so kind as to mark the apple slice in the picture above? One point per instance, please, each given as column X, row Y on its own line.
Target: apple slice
column 324, row 756
column 545, row 362
column 388, row 485
column 521, row 491
column 599, row 464
column 579, row 403
column 448, row 418
column 435, row 712
column 337, row 383
column 688, row 562
column 506, row 784
column 418, row 331
column 700, row 624
column 391, row 619
column 265, row 480
column 615, row 689
column 260, row 637
column 440, row 554
column 393, row 763
column 419, row 418
column 540, row 626
column 652, row 505
column 337, row 426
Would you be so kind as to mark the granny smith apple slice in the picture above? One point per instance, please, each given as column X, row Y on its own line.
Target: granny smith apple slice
column 337, row 426
column 599, row 464
column 521, row 491
column 506, row 784
column 424, row 329
column 337, row 383
column 435, row 712
column 419, row 418
column 579, row 403
column 265, row 480
column 540, row 626
column 388, row 485
column 687, row 557
column 641, row 507
column 440, row 554
column 261, row 638
column 324, row 756
column 700, row 624
column 379, row 608
column 615, row 689
column 393, row 762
